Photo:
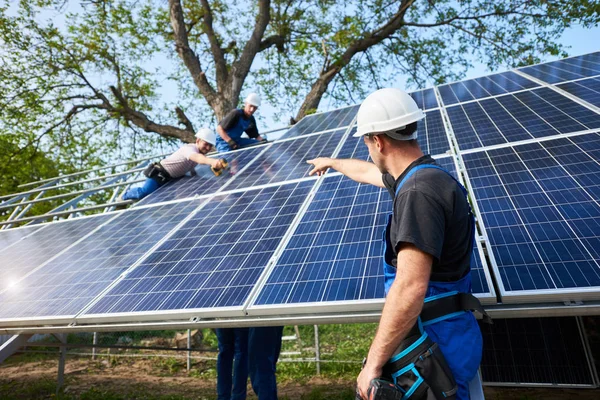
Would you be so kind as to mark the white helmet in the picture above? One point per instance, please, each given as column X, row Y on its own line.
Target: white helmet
column 387, row 110
column 207, row 135
column 253, row 99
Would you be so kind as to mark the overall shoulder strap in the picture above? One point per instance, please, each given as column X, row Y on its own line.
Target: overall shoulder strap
column 423, row 166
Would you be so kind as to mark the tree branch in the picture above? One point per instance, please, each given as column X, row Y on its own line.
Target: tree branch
column 141, row 120
column 188, row 56
column 215, row 47
column 241, row 67
column 273, row 40
column 184, row 120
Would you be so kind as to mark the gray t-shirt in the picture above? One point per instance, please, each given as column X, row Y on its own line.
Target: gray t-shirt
column 431, row 212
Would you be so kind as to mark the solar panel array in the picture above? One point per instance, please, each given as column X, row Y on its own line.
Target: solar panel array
column 264, row 238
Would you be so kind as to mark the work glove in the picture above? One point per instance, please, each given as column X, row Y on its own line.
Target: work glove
column 232, row 144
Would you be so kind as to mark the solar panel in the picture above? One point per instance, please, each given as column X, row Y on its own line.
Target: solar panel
column 543, row 224
column 34, row 250
column 286, row 160
column 565, row 70
column 535, row 351
column 320, row 122
column 586, row 89
column 214, row 260
column 487, row 86
column 9, row 237
column 334, row 255
column 522, row 116
column 63, row 286
column 205, row 182
column 425, row 99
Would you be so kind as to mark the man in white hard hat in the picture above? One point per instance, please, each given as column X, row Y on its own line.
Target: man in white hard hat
column 238, row 121
column 427, row 327
column 178, row 164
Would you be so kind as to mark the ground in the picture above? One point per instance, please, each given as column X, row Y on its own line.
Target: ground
column 29, row 377
column 129, row 374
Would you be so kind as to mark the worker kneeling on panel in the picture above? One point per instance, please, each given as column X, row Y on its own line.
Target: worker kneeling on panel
column 238, row 121
column 178, row 164
column 428, row 344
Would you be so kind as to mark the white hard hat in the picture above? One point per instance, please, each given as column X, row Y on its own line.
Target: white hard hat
column 207, row 135
column 387, row 110
column 253, row 99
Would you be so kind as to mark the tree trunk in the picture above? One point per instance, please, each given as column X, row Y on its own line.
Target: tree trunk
column 313, row 98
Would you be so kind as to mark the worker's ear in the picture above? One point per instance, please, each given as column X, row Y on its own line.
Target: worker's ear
column 380, row 144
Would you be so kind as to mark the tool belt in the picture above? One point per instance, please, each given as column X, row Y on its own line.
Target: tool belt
column 158, row 173
column 418, row 369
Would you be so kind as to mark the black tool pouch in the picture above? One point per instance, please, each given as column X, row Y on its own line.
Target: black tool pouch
column 158, row 173
column 420, row 370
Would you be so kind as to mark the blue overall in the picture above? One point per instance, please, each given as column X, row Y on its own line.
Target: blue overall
column 457, row 335
column 139, row 192
column 264, row 345
column 232, row 361
column 235, row 133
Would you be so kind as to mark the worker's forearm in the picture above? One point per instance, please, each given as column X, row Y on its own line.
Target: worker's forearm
column 223, row 134
column 357, row 170
column 402, row 307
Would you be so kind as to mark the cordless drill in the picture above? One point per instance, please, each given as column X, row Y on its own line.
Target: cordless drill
column 219, row 171
column 380, row 389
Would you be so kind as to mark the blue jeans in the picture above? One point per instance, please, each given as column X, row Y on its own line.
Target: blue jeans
column 138, row 193
column 264, row 345
column 222, row 145
column 232, row 360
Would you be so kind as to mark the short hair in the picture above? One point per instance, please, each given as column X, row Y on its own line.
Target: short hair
column 398, row 134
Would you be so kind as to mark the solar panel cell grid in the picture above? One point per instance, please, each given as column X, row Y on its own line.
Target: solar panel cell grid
column 587, row 89
column 323, row 121
column 522, row 116
column 542, row 224
column 287, row 160
column 567, row 69
column 24, row 256
column 215, row 259
column 425, row 99
column 66, row 284
column 11, row 236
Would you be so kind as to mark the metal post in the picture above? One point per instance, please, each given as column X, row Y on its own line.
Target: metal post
column 189, row 353
column 61, row 363
column 94, row 342
column 317, row 350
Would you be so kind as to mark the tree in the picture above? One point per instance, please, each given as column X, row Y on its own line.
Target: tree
column 92, row 74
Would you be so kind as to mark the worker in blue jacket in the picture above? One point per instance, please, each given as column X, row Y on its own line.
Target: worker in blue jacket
column 238, row 121
column 428, row 342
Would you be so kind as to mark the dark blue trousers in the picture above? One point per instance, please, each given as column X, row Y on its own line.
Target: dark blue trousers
column 264, row 345
column 232, row 362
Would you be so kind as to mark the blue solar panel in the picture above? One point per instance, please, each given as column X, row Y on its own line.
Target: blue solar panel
column 425, row 99
column 215, row 259
column 9, row 237
column 323, row 121
column 205, row 182
column 286, row 160
column 67, row 283
column 486, row 86
column 586, row 89
column 542, row 223
column 335, row 252
column 431, row 137
column 522, row 116
column 34, row 250
column 565, row 70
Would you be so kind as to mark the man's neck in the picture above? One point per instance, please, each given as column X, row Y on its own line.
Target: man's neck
column 401, row 159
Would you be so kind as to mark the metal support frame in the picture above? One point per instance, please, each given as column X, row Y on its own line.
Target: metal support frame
column 189, row 352
column 12, row 345
column 60, row 382
column 317, row 350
